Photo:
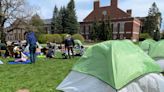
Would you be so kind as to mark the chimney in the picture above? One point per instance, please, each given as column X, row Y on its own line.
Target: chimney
column 96, row 4
column 129, row 12
column 114, row 3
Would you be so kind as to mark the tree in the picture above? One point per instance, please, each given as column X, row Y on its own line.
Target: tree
column 150, row 25
column 71, row 20
column 37, row 24
column 106, row 32
column 153, row 10
column 61, row 20
column 54, row 18
column 162, row 34
column 109, row 29
column 65, row 20
column 153, row 22
column 95, row 30
column 11, row 10
column 144, row 36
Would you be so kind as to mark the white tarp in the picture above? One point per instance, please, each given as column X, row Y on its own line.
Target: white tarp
column 27, row 48
column 8, row 43
column 1, row 62
column 79, row 82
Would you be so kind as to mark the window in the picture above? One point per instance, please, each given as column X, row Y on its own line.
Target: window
column 118, row 30
column 118, row 27
column 122, row 27
column 89, row 29
column 104, row 13
column 20, row 36
column 84, row 30
column 112, row 27
column 15, row 34
column 115, row 29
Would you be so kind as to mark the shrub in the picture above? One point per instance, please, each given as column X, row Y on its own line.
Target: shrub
column 42, row 38
column 63, row 36
column 78, row 37
column 144, row 36
column 162, row 35
column 49, row 38
column 57, row 38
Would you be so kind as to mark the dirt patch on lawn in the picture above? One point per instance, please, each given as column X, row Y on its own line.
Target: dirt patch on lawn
column 23, row 90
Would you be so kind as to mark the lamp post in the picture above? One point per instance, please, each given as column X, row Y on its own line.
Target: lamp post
column 155, row 34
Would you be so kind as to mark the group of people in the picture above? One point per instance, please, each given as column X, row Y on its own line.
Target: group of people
column 68, row 50
column 17, row 49
column 31, row 46
column 31, row 43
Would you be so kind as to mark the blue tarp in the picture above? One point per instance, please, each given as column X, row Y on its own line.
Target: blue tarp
column 26, row 62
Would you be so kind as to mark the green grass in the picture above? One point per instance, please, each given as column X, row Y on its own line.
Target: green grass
column 43, row 76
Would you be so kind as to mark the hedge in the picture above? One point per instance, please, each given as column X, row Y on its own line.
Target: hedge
column 42, row 38
column 63, row 36
column 55, row 38
column 144, row 36
column 78, row 37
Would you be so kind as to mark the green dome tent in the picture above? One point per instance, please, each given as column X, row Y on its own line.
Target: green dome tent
column 157, row 50
column 145, row 45
column 78, row 50
column 115, row 63
column 78, row 42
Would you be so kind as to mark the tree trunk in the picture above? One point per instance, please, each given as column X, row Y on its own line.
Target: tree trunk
column 3, row 35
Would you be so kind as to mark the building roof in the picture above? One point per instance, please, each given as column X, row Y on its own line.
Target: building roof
column 112, row 13
column 17, row 24
column 47, row 21
column 104, row 12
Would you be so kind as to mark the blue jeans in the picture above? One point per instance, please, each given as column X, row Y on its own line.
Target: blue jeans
column 32, row 49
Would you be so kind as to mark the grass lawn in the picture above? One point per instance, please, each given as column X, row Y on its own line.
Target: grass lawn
column 44, row 76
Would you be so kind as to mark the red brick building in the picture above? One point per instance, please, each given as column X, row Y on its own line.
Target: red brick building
column 124, row 26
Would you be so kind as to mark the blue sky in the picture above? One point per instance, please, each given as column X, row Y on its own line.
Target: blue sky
column 84, row 7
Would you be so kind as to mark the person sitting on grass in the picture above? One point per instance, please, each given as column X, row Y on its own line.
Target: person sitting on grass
column 51, row 50
column 50, row 53
column 19, row 56
column 82, row 49
column 65, row 54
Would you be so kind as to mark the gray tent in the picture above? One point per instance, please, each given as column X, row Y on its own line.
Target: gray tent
column 114, row 66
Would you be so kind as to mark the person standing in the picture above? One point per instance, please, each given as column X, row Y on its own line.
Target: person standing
column 31, row 40
column 69, row 45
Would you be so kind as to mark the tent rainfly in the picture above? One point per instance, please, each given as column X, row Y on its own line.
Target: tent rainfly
column 157, row 52
column 78, row 42
column 114, row 66
column 145, row 45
